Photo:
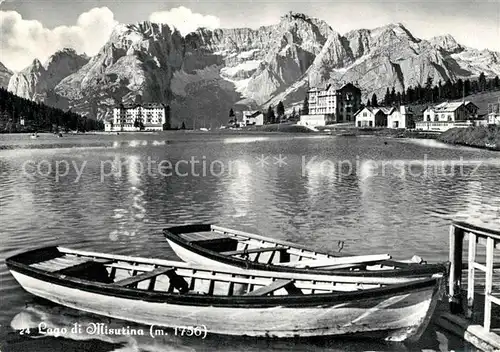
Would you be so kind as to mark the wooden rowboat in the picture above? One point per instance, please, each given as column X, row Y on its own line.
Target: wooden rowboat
column 225, row 248
column 167, row 293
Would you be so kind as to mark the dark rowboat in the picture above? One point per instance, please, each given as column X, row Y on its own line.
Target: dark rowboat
column 166, row 293
column 225, row 248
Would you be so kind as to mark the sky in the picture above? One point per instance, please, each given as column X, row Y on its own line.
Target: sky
column 32, row 29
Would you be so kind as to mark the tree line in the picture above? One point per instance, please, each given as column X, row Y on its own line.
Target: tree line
column 40, row 117
column 430, row 93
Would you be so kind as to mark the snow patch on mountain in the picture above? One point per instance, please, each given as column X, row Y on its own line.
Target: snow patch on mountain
column 247, row 54
column 246, row 66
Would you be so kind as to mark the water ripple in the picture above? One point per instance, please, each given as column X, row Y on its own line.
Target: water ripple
column 307, row 200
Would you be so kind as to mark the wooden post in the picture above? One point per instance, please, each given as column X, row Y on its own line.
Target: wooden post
column 490, row 245
column 470, row 281
column 456, row 247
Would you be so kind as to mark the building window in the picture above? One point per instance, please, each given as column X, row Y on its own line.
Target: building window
column 370, row 123
column 359, row 123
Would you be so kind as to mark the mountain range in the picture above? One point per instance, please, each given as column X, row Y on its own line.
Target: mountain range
column 205, row 73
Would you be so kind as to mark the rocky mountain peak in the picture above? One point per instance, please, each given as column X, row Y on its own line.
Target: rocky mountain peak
column 446, row 42
column 294, row 21
column 5, row 75
column 35, row 66
column 3, row 68
column 36, row 80
column 392, row 31
column 65, row 54
column 295, row 15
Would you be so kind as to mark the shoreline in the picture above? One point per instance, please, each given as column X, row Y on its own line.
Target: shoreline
column 480, row 137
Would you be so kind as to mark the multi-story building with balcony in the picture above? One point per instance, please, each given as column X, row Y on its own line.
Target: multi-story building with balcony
column 136, row 117
column 330, row 105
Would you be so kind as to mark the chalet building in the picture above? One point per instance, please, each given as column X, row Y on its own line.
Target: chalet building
column 384, row 117
column 330, row 105
column 448, row 115
column 134, row 117
column 371, row 117
column 253, row 118
column 401, row 117
column 494, row 113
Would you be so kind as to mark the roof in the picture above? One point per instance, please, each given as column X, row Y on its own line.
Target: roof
column 145, row 105
column 450, row 106
column 254, row 114
column 328, row 87
column 386, row 110
column 373, row 110
column 468, row 103
column 349, row 85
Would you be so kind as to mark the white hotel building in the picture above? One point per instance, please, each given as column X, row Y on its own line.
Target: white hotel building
column 330, row 105
column 126, row 117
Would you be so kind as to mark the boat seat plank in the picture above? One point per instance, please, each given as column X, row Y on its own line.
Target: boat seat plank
column 78, row 266
column 130, row 267
column 326, row 262
column 60, row 263
column 89, row 270
column 276, row 285
column 253, row 250
column 195, row 236
column 218, row 244
column 101, row 260
column 144, row 276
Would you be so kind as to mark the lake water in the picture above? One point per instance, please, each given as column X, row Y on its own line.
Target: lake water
column 116, row 193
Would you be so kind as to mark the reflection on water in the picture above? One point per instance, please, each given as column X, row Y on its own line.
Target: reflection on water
column 321, row 176
column 374, row 196
column 432, row 143
column 239, row 189
column 135, row 169
column 244, row 140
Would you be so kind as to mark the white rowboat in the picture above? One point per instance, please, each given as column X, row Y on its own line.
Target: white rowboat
column 207, row 244
column 230, row 302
